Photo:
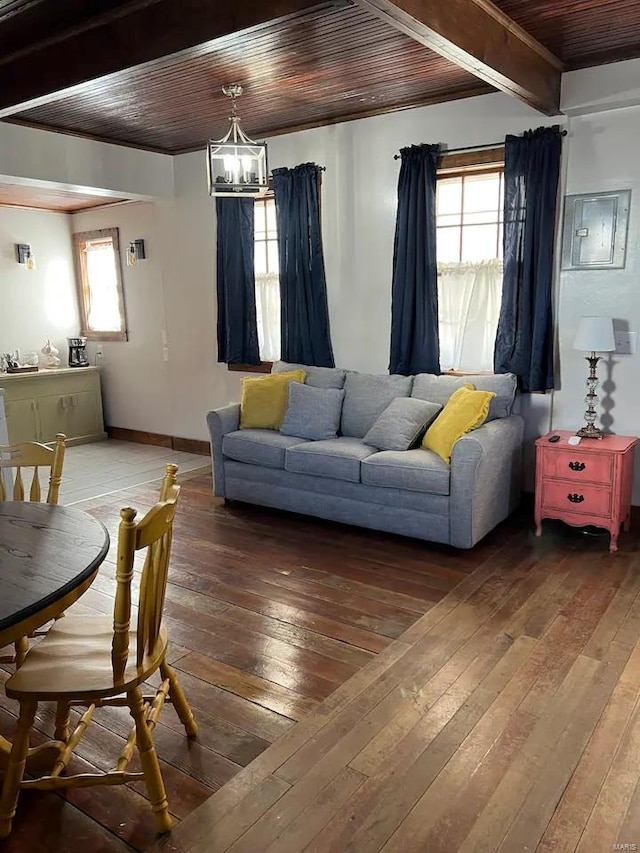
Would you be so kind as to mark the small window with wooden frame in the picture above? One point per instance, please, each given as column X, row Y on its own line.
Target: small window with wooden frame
column 99, row 282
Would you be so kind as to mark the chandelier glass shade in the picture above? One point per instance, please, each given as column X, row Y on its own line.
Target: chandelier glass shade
column 236, row 164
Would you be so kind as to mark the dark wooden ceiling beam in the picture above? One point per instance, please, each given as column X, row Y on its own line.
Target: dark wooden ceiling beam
column 480, row 38
column 148, row 32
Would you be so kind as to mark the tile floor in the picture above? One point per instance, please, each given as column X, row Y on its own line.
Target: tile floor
column 91, row 470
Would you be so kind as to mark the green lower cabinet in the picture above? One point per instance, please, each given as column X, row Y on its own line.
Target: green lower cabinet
column 76, row 415
column 41, row 405
column 22, row 421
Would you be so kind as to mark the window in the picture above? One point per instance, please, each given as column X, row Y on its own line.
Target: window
column 469, row 226
column 267, row 278
column 99, row 285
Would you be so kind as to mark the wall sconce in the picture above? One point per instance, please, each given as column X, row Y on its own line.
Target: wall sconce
column 24, row 255
column 135, row 252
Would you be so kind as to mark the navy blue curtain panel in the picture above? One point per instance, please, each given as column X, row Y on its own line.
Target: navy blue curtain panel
column 237, row 325
column 306, row 338
column 414, row 290
column 524, row 340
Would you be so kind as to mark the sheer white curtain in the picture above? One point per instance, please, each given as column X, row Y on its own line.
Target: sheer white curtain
column 469, row 296
column 268, row 315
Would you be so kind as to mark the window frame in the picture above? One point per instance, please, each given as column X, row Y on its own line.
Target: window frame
column 269, row 196
column 467, row 164
column 457, row 165
column 264, row 366
column 80, row 239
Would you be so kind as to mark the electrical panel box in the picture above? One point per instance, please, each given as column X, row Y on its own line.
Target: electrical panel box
column 595, row 230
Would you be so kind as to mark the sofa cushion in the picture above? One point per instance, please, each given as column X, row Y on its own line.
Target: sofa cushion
column 415, row 470
column 438, row 389
column 313, row 412
column 258, row 446
column 401, row 424
column 337, row 457
column 465, row 410
column 318, row 377
column 265, row 399
column 365, row 398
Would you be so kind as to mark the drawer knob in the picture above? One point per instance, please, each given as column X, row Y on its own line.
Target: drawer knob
column 577, row 466
column 575, row 499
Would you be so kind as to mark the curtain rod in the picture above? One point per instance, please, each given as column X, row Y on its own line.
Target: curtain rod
column 473, row 147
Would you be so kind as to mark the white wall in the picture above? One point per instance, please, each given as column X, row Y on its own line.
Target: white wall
column 187, row 228
column 41, row 303
column 135, row 378
column 171, row 292
column 44, row 158
column 603, row 156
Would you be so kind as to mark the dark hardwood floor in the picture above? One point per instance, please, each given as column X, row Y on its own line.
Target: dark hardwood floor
column 449, row 700
column 268, row 615
column 506, row 719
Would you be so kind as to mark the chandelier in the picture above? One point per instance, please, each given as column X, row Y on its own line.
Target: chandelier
column 237, row 166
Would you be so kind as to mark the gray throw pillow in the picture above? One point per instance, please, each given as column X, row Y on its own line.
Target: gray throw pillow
column 427, row 386
column 319, row 377
column 401, row 424
column 312, row 412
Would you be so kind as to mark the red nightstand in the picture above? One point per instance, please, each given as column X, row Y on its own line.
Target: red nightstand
column 589, row 483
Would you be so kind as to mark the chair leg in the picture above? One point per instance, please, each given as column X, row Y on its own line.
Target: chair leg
column 15, row 766
column 21, row 647
column 63, row 718
column 179, row 700
column 149, row 762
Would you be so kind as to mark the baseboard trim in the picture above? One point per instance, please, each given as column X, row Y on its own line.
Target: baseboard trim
column 173, row 442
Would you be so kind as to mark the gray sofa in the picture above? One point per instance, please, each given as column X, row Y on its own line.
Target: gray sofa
column 411, row 492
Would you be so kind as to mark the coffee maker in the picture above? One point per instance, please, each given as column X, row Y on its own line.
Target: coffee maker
column 78, row 352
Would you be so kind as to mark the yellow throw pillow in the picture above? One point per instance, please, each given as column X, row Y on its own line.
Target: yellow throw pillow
column 466, row 409
column 265, row 399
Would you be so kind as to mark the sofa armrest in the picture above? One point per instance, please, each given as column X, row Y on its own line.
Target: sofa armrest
column 220, row 422
column 486, row 472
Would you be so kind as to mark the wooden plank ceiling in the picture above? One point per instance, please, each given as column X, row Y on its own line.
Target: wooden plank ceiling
column 44, row 198
column 581, row 32
column 301, row 64
column 331, row 65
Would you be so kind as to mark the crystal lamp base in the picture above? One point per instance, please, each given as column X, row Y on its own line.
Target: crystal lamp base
column 590, row 431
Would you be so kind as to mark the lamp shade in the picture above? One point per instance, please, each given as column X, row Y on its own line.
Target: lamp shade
column 595, row 334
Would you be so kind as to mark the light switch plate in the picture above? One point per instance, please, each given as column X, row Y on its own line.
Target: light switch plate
column 626, row 342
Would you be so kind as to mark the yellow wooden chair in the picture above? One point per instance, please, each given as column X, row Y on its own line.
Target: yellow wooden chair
column 36, row 456
column 13, row 461
column 92, row 662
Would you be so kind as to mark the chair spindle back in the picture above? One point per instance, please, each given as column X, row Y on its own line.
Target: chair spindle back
column 32, row 455
column 153, row 532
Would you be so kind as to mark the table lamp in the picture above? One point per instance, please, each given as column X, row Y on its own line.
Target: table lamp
column 595, row 334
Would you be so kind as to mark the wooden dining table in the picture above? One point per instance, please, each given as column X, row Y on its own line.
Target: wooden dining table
column 49, row 556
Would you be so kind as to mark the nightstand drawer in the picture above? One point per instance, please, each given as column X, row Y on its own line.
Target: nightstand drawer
column 581, row 467
column 572, row 497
